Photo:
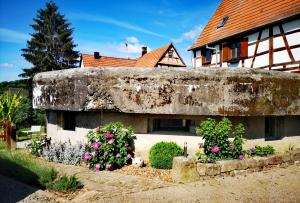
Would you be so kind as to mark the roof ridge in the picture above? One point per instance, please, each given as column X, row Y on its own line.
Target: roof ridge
column 111, row 57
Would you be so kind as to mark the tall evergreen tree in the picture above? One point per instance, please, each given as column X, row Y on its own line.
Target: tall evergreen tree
column 51, row 45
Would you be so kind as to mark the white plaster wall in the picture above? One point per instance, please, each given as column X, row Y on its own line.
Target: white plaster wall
column 251, row 50
column 215, row 58
column 198, row 60
column 293, row 39
column 262, row 60
column 278, row 42
column 296, row 53
column 248, row 63
column 281, row 57
column 263, row 46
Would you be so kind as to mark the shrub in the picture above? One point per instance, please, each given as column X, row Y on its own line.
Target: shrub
column 109, row 147
column 216, row 139
column 65, row 184
column 262, row 151
column 64, row 152
column 161, row 154
column 38, row 144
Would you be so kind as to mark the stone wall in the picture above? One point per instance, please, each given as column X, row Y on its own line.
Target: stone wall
column 189, row 169
column 230, row 92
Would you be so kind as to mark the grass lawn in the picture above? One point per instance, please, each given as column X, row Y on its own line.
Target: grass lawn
column 24, row 167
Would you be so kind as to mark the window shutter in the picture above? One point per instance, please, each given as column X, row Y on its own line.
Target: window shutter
column 244, row 48
column 226, row 52
column 203, row 56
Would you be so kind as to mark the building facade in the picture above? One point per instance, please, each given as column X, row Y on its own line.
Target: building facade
column 252, row 34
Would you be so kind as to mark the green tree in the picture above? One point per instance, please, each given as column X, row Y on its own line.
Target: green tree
column 51, row 45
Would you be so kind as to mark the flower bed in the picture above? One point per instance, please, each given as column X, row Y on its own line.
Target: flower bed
column 190, row 169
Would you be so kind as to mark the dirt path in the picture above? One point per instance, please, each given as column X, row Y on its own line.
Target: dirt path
column 273, row 185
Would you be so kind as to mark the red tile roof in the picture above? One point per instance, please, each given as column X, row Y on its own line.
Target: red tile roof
column 148, row 60
column 245, row 15
column 105, row 61
column 152, row 58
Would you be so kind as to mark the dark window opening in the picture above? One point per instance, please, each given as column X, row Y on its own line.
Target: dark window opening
column 235, row 51
column 171, row 125
column 69, row 121
column 206, row 56
column 170, row 53
column 224, row 20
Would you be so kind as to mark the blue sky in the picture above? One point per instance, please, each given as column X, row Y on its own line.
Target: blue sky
column 105, row 26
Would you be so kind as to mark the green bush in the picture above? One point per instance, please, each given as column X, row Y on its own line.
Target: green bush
column 262, row 151
column 161, row 154
column 65, row 184
column 216, row 139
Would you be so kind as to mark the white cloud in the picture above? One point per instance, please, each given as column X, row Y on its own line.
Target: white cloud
column 111, row 21
column 6, row 65
column 132, row 39
column 190, row 35
column 8, row 35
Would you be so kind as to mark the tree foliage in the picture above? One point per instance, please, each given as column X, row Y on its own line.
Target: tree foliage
column 51, row 46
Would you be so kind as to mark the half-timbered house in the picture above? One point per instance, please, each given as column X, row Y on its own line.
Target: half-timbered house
column 252, row 34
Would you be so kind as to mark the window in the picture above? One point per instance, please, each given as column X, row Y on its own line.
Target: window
column 68, row 120
column 170, row 53
column 234, row 51
column 206, row 56
column 222, row 23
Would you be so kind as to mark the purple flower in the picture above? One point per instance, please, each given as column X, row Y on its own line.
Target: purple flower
column 231, row 146
column 109, row 135
column 126, row 144
column 241, row 157
column 96, row 129
column 84, row 145
column 108, row 166
column 87, row 156
column 105, row 153
column 129, row 156
column 215, row 149
column 118, row 155
column 97, row 167
column 96, row 145
column 111, row 141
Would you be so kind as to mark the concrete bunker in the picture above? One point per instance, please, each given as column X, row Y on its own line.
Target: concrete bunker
column 77, row 100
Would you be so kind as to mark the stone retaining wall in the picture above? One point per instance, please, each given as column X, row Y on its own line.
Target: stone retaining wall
column 189, row 169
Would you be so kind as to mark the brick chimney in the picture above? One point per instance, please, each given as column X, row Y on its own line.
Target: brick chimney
column 144, row 50
column 96, row 55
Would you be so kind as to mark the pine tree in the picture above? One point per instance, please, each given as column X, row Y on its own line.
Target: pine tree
column 51, row 46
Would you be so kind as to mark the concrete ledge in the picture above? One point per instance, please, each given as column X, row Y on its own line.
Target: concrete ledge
column 189, row 169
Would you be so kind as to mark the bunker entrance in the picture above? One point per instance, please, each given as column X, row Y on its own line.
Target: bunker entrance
column 171, row 125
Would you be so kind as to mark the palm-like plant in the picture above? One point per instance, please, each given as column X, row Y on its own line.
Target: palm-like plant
column 8, row 105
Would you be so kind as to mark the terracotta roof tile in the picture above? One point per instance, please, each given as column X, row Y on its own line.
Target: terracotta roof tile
column 245, row 15
column 152, row 58
column 105, row 61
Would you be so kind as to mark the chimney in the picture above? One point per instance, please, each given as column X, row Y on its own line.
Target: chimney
column 144, row 50
column 96, row 55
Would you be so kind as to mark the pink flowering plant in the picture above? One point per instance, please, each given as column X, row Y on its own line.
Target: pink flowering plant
column 216, row 139
column 109, row 147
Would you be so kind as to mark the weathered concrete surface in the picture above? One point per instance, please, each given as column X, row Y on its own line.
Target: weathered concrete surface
column 231, row 92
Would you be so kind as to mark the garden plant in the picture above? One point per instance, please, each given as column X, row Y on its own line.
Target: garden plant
column 216, row 140
column 161, row 154
column 109, row 147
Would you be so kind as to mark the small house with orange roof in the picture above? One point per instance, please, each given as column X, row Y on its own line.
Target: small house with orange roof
column 252, row 34
column 166, row 56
